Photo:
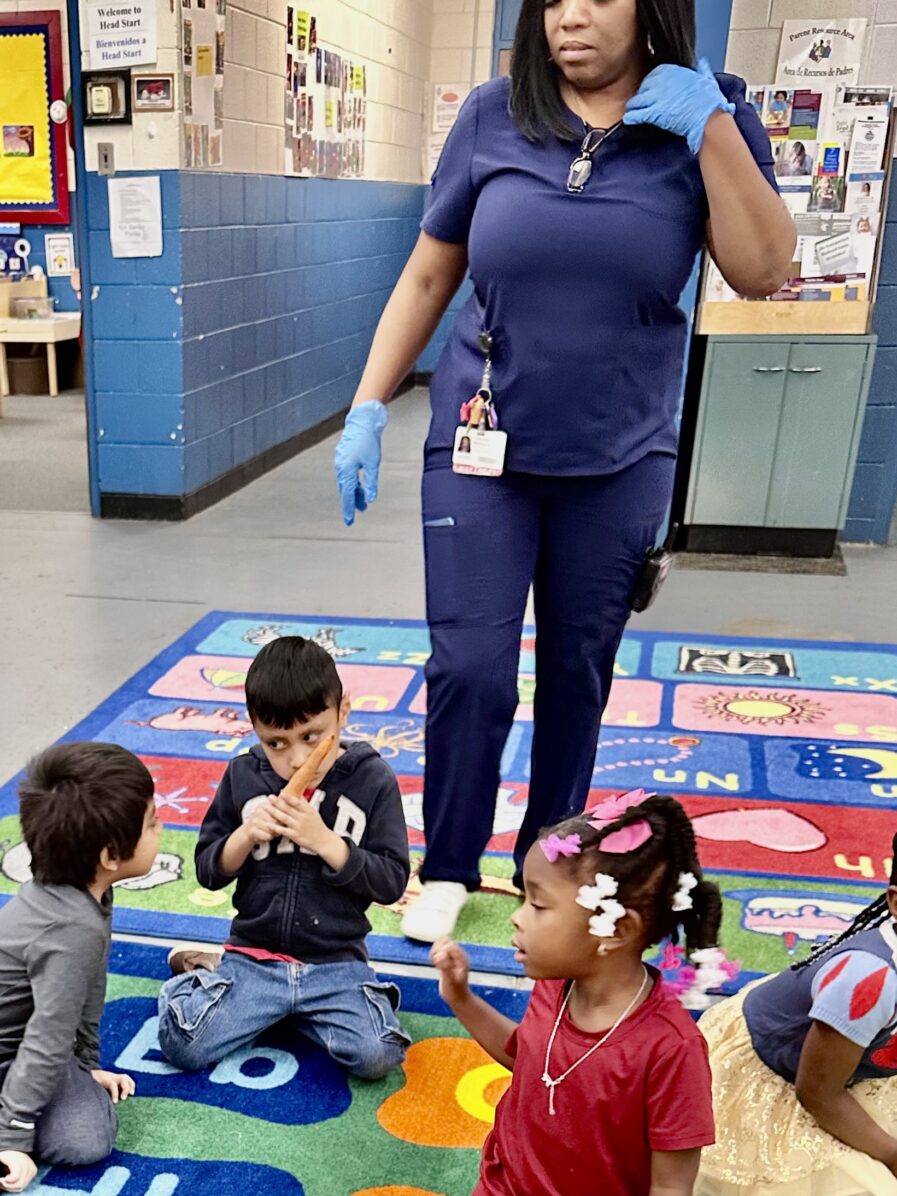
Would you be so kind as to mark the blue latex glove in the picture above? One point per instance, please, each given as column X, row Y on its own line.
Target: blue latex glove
column 359, row 449
column 679, row 100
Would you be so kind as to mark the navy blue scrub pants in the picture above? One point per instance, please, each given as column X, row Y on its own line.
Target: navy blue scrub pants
column 580, row 542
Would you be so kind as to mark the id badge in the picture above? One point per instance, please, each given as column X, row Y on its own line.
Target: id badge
column 479, row 451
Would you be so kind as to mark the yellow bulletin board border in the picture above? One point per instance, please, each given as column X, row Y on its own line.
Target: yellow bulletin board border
column 34, row 177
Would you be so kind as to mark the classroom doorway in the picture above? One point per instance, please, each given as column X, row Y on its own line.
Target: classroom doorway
column 43, row 421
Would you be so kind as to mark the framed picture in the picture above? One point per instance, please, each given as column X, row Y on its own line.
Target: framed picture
column 107, row 97
column 153, row 93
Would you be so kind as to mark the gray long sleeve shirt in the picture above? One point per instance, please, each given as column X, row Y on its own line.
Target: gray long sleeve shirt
column 54, row 946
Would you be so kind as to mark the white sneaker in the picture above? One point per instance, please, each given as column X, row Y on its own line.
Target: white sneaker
column 434, row 914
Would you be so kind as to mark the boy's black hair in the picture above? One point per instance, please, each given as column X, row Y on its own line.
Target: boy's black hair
column 667, row 26
column 291, row 681
column 875, row 914
column 76, row 799
column 648, row 877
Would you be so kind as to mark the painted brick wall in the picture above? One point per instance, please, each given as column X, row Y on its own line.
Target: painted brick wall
column 875, row 487
column 284, row 281
column 753, row 51
column 251, row 328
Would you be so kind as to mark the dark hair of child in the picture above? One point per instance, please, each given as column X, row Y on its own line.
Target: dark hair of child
column 873, row 915
column 648, row 877
column 76, row 799
column 291, row 681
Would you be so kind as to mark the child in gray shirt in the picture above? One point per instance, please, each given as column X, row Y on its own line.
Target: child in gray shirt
column 89, row 820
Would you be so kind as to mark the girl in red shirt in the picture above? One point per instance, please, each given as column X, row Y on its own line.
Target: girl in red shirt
column 611, row 1085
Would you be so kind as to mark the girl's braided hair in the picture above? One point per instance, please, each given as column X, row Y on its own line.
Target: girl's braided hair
column 649, row 876
column 873, row 915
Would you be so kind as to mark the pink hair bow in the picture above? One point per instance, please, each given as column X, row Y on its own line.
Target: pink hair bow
column 630, row 837
column 554, row 846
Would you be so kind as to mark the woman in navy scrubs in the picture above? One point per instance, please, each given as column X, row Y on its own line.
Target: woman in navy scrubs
column 577, row 195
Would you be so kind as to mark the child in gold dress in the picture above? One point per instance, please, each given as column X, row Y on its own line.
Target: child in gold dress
column 805, row 1072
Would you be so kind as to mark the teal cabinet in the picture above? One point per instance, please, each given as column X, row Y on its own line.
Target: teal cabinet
column 778, row 430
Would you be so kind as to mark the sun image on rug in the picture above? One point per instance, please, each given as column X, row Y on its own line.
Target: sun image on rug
column 281, row 1117
column 783, row 753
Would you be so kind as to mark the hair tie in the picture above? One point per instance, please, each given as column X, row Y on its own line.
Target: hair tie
column 553, row 846
column 682, row 899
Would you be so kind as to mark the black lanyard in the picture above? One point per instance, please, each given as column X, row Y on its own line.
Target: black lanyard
column 581, row 168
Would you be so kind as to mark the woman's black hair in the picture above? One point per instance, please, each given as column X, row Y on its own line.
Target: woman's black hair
column 875, row 914
column 649, row 876
column 667, row 26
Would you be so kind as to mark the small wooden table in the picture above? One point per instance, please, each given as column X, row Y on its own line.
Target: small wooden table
column 64, row 326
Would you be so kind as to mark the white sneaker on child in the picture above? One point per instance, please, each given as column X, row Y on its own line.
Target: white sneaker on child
column 434, row 914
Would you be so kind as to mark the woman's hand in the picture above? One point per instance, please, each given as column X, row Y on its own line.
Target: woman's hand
column 679, row 100
column 359, row 449
column 18, row 1170
column 119, row 1087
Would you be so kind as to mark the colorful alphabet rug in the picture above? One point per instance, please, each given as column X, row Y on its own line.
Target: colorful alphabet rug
column 783, row 753
column 280, row 1117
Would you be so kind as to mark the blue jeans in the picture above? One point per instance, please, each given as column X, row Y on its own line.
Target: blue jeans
column 342, row 1007
column 78, row 1126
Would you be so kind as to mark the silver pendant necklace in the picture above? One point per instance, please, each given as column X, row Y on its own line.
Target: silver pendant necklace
column 551, row 1084
column 581, row 168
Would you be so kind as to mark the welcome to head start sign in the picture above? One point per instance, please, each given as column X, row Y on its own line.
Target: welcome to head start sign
column 122, row 34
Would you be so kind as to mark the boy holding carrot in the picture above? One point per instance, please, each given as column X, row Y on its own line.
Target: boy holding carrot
column 313, row 832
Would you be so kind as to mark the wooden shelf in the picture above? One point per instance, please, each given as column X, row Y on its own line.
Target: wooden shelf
column 766, row 318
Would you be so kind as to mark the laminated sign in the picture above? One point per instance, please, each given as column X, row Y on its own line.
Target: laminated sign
column 821, row 50
column 121, row 34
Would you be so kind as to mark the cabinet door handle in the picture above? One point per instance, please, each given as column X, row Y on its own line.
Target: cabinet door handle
column 807, row 369
column 769, row 369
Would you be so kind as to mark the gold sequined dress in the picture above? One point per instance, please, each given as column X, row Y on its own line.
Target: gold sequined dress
column 766, row 1142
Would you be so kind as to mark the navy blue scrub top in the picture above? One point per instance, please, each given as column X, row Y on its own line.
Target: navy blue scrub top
column 580, row 292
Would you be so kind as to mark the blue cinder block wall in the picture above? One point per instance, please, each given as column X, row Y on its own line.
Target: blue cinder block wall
column 252, row 328
column 875, row 485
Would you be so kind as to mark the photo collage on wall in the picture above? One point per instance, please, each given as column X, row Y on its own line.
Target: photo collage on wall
column 830, row 154
column 202, row 75
column 325, row 104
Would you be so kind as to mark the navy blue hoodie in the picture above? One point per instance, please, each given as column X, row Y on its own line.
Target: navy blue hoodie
column 289, row 901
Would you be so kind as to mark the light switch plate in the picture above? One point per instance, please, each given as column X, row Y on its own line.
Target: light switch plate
column 105, row 158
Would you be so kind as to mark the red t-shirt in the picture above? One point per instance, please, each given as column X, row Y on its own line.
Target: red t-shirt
column 647, row 1088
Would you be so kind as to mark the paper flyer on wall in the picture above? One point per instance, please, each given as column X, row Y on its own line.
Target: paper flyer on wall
column 851, row 104
column 817, row 51
column 203, row 25
column 865, row 193
column 325, row 103
column 868, row 145
column 447, row 101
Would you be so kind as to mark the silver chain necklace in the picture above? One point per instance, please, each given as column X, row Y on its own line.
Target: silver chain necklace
column 581, row 168
column 551, row 1084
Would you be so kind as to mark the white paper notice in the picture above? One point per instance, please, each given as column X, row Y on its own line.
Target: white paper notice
column 135, row 217
column 867, row 148
column 447, row 103
column 121, row 34
column 814, row 51
column 59, row 250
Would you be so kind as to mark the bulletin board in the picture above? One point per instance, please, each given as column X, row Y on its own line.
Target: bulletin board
column 33, row 168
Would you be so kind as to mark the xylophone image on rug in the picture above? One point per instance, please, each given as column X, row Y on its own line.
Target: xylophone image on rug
column 784, row 754
column 280, row 1116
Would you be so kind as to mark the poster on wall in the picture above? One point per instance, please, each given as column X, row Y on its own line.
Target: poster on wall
column 325, row 103
column 33, row 151
column 203, row 25
column 447, row 101
column 821, row 51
